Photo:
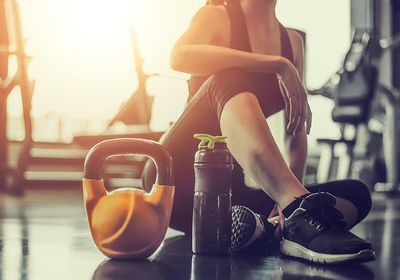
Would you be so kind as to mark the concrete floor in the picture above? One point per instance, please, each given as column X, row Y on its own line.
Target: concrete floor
column 45, row 236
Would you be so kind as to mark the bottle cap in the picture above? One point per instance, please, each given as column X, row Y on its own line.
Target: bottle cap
column 207, row 140
column 212, row 149
column 213, row 165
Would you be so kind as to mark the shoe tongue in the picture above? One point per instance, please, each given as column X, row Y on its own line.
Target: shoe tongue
column 316, row 199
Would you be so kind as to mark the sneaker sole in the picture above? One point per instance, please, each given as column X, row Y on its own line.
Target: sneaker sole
column 293, row 249
column 244, row 225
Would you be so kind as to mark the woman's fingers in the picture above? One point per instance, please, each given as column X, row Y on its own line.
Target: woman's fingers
column 304, row 117
column 299, row 124
column 285, row 98
column 297, row 109
column 288, row 105
column 298, row 117
column 293, row 112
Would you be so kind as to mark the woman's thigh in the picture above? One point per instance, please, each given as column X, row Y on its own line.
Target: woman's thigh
column 268, row 93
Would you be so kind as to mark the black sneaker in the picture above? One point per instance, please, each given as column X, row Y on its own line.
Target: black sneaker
column 248, row 228
column 316, row 232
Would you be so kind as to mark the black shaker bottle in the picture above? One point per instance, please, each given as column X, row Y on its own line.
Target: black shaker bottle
column 211, row 228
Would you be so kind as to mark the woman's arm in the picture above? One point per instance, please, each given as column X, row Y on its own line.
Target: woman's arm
column 201, row 51
column 296, row 145
column 204, row 50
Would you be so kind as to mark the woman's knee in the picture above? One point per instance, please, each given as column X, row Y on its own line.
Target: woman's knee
column 227, row 74
column 230, row 79
column 225, row 84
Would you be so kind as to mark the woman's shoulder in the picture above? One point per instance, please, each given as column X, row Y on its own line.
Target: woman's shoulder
column 214, row 19
column 212, row 13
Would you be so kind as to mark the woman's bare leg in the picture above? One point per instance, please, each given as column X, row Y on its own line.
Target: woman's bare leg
column 252, row 144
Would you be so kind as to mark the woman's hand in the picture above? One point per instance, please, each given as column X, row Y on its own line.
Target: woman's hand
column 277, row 220
column 294, row 94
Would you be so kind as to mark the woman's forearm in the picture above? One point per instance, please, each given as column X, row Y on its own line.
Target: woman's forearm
column 205, row 60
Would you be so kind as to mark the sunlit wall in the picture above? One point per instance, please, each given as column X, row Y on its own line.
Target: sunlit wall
column 83, row 63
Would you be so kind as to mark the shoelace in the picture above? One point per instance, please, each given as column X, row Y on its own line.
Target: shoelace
column 324, row 216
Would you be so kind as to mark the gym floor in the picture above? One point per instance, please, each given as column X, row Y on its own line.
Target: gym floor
column 45, row 236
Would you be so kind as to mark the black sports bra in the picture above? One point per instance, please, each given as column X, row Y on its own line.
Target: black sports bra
column 240, row 41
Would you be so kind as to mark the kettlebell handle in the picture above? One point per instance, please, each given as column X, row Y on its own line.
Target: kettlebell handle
column 125, row 146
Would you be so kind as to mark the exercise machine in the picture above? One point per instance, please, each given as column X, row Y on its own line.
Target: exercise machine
column 371, row 111
column 137, row 109
column 10, row 24
column 49, row 165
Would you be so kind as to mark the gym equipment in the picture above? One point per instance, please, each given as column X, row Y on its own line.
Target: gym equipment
column 137, row 109
column 12, row 43
column 4, row 42
column 396, row 52
column 373, row 111
column 46, row 165
column 212, row 220
column 128, row 223
column 352, row 93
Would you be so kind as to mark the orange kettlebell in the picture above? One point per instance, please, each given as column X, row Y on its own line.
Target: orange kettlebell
column 128, row 223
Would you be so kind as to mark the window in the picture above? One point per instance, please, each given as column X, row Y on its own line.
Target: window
column 84, row 69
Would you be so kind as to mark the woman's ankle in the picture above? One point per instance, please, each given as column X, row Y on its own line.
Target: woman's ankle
column 290, row 194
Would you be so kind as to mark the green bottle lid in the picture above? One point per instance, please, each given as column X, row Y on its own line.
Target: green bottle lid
column 207, row 140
